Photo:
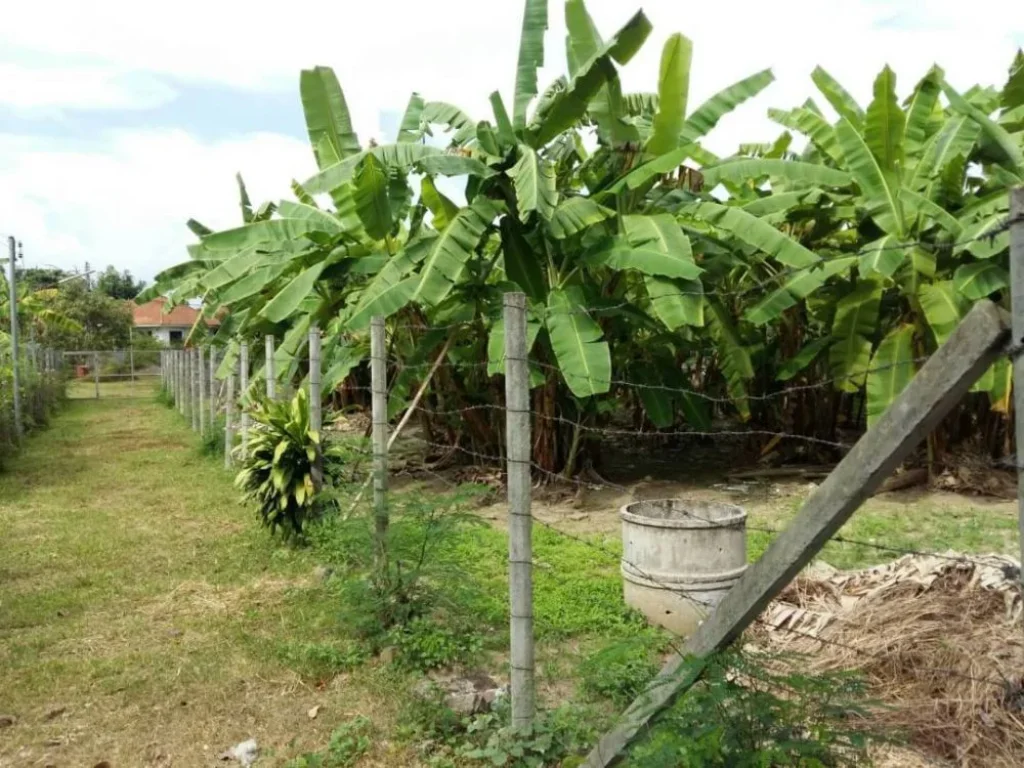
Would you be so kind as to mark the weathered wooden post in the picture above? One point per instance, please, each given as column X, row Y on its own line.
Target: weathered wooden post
column 96, row 372
column 520, row 521
column 379, row 437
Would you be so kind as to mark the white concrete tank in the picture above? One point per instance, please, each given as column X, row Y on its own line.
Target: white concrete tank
column 680, row 557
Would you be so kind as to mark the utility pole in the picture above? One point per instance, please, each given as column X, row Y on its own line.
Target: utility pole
column 14, row 340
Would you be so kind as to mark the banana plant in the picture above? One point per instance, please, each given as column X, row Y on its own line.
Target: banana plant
column 892, row 198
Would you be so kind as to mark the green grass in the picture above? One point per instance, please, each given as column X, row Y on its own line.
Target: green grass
column 137, row 593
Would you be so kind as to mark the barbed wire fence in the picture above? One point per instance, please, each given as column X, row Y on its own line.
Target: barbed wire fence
column 205, row 393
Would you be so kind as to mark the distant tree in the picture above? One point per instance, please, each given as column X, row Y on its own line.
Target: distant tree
column 119, row 285
column 40, row 278
column 102, row 322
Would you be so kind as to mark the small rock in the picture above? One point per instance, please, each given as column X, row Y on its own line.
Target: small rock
column 102, row 764
column 580, row 516
column 174, row 632
column 245, row 753
column 314, row 712
column 463, row 703
column 6, row 721
column 387, row 655
column 52, row 743
column 53, row 714
column 322, row 572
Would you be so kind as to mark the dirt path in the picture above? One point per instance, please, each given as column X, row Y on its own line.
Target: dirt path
column 145, row 620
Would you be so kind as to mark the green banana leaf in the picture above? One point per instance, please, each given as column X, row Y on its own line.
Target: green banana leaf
column 584, row 358
column 855, row 322
column 531, row 58
column 327, row 116
column 841, row 101
column 575, row 215
column 754, row 232
column 450, row 251
column 534, row 181
column 892, row 369
column 707, row 115
column 738, row 171
column 673, row 89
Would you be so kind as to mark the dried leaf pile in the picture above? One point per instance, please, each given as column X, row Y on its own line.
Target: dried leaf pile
column 938, row 638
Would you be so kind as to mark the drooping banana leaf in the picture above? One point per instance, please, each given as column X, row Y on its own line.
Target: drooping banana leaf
column 855, row 322
column 401, row 157
column 878, row 186
column 653, row 245
column 287, row 300
column 799, row 362
column 584, row 358
column 450, row 251
column 943, row 308
column 451, row 117
column 534, row 180
column 741, row 170
column 496, row 344
column 813, row 126
column 523, row 264
column 370, row 193
column 273, row 231
column 571, row 104
column 733, row 357
column 892, row 369
column 442, row 209
column 884, row 256
column 576, row 214
column 754, row 232
column 980, row 279
column 840, row 99
column 707, row 115
column 1010, row 147
column 676, row 302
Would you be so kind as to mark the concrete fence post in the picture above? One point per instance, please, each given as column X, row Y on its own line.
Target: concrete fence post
column 520, row 521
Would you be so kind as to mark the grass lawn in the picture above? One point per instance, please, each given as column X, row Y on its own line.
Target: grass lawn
column 147, row 620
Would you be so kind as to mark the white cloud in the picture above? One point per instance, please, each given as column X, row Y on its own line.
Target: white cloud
column 123, row 199
column 45, row 91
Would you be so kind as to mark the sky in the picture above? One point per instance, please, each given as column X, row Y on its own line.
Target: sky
column 121, row 120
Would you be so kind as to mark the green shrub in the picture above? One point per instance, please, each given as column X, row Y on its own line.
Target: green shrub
column 211, row 442
column 619, row 672
column 559, row 737
column 424, row 644
column 349, row 742
column 278, row 470
column 744, row 715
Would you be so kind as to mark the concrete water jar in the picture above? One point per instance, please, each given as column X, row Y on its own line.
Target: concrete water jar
column 680, row 558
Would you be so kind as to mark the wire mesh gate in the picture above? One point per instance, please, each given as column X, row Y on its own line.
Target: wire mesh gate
column 112, row 373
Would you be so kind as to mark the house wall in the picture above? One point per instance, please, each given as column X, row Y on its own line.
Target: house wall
column 163, row 334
